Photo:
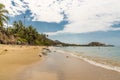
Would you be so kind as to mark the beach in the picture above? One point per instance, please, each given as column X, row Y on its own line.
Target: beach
column 55, row 65
column 63, row 66
column 14, row 58
column 59, row 40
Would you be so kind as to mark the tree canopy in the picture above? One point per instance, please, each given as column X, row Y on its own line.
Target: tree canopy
column 18, row 33
column 3, row 17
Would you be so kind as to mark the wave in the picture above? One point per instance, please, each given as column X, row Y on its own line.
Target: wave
column 107, row 64
column 110, row 67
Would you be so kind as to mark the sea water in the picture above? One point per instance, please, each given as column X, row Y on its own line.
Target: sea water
column 107, row 57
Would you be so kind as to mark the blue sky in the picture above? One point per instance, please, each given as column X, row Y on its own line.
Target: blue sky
column 41, row 26
column 71, row 21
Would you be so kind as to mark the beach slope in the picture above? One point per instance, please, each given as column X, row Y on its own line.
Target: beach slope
column 63, row 66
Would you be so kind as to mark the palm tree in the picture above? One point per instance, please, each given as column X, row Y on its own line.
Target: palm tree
column 3, row 17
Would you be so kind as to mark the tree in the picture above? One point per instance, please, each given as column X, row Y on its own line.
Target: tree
column 3, row 17
column 32, row 35
column 19, row 33
column 18, row 26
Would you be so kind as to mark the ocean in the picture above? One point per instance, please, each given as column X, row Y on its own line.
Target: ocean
column 107, row 57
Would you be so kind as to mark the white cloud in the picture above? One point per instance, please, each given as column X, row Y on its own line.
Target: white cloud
column 18, row 9
column 45, row 10
column 91, row 16
column 83, row 15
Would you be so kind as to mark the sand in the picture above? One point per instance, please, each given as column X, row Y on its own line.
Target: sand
column 54, row 66
column 14, row 58
column 63, row 66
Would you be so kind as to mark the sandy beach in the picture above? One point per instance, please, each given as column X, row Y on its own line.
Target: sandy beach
column 63, row 66
column 14, row 58
column 59, row 40
column 24, row 64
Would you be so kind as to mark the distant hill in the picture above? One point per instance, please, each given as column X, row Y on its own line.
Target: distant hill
column 58, row 43
column 97, row 44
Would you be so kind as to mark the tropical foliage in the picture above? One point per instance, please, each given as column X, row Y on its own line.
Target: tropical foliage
column 27, row 34
column 3, row 17
column 19, row 33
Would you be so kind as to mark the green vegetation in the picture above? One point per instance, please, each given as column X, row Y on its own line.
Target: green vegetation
column 98, row 44
column 3, row 17
column 19, row 33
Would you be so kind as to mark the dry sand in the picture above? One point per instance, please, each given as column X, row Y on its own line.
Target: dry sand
column 14, row 58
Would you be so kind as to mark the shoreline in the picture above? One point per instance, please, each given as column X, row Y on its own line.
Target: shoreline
column 55, row 65
column 105, row 66
column 63, row 66
column 93, row 62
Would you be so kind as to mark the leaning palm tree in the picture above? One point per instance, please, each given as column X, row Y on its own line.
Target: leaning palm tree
column 3, row 17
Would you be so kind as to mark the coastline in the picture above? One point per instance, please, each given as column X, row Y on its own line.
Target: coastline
column 14, row 58
column 97, row 61
column 106, row 66
column 64, row 66
column 24, row 63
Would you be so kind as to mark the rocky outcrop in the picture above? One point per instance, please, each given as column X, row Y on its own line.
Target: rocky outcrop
column 4, row 39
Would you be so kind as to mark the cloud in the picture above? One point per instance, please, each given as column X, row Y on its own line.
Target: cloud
column 83, row 15
column 91, row 16
column 15, row 7
column 42, row 10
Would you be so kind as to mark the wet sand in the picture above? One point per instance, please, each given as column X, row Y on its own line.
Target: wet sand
column 62, row 66
column 14, row 58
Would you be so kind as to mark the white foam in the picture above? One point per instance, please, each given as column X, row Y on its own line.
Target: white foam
column 115, row 68
column 109, row 67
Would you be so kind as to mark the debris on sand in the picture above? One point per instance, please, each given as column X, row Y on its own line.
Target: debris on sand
column 40, row 55
column 5, row 50
column 67, row 56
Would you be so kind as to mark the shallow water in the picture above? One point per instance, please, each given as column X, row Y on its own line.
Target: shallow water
column 112, row 53
column 109, row 56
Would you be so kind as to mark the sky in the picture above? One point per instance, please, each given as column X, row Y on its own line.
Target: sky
column 70, row 21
